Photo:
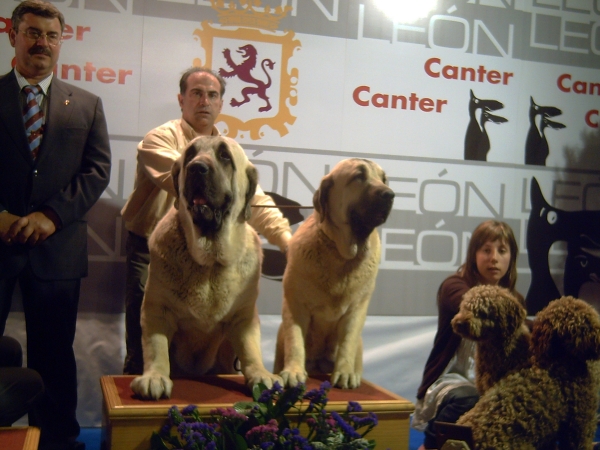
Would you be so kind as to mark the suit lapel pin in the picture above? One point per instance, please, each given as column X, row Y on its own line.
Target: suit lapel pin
column 67, row 102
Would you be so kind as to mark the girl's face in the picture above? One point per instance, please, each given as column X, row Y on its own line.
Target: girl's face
column 493, row 260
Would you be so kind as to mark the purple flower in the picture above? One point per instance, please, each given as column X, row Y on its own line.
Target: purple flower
column 369, row 420
column 184, row 429
column 263, row 433
column 191, row 445
column 294, row 440
column 229, row 414
column 206, row 428
column 289, row 432
column 346, row 428
column 198, row 437
column 354, row 407
column 188, row 410
column 196, row 434
column 297, row 391
column 317, row 396
column 165, row 430
column 267, row 395
column 174, row 415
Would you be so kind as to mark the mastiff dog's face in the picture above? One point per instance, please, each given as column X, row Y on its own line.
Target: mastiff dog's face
column 215, row 182
column 355, row 192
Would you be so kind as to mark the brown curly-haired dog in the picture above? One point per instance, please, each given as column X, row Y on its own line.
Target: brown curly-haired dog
column 554, row 400
column 495, row 319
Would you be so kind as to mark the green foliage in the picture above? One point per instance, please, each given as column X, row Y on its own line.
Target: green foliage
column 270, row 422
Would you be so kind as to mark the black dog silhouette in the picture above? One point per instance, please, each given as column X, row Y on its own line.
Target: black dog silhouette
column 536, row 146
column 582, row 265
column 547, row 225
column 477, row 142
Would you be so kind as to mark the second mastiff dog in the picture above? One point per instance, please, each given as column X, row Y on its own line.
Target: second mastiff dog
column 199, row 309
column 333, row 260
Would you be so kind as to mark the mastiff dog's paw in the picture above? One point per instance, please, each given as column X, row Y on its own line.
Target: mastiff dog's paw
column 292, row 377
column 152, row 386
column 345, row 380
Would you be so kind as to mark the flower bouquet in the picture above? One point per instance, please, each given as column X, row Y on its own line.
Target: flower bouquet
column 267, row 423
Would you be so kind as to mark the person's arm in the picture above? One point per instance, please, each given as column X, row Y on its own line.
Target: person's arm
column 156, row 154
column 34, row 228
column 446, row 342
column 450, row 295
column 270, row 221
column 6, row 221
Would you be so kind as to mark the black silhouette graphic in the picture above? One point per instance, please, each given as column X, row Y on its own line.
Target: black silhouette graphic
column 477, row 142
column 583, row 263
column 243, row 72
column 547, row 225
column 536, row 146
column 274, row 261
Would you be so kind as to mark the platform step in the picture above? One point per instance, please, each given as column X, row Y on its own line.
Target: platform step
column 19, row 438
column 128, row 422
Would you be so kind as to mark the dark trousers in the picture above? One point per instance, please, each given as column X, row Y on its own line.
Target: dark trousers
column 50, row 309
column 19, row 387
column 138, row 259
column 457, row 402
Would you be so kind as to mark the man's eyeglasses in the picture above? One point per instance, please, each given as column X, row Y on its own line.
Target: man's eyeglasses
column 52, row 38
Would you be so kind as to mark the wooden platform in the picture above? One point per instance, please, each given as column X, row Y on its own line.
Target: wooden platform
column 128, row 423
column 19, row 438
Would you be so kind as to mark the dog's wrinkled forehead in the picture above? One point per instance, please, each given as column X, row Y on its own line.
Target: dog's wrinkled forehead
column 359, row 168
column 221, row 149
column 217, row 146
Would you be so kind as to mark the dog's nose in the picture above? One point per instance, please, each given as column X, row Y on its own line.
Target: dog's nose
column 459, row 325
column 198, row 167
column 388, row 194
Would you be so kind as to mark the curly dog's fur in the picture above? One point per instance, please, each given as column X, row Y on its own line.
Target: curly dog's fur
column 554, row 400
column 495, row 319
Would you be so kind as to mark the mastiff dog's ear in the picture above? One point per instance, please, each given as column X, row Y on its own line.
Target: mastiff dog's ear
column 175, row 170
column 252, row 175
column 321, row 197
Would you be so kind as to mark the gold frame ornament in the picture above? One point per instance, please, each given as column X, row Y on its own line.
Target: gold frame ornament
column 288, row 94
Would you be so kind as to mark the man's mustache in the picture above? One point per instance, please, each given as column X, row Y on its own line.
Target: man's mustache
column 39, row 50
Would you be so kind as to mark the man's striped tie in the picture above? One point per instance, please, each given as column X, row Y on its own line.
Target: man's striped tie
column 33, row 117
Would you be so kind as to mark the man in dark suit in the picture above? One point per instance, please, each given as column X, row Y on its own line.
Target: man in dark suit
column 45, row 192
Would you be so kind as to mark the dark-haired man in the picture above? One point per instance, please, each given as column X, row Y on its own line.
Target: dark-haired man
column 54, row 165
column 200, row 98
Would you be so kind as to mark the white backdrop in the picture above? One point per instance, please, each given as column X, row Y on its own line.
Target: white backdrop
column 348, row 81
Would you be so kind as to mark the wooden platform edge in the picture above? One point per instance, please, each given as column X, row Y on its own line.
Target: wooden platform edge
column 109, row 390
column 116, row 409
column 32, row 438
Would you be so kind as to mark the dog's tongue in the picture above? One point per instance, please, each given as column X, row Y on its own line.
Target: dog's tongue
column 199, row 201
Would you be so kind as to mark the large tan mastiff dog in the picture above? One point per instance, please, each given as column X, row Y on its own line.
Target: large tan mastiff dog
column 333, row 260
column 199, row 309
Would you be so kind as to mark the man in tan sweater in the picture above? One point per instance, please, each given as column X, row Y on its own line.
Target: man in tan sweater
column 201, row 100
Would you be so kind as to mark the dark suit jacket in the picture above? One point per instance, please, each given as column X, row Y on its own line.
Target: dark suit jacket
column 71, row 172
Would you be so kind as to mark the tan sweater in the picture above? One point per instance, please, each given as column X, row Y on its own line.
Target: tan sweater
column 154, row 194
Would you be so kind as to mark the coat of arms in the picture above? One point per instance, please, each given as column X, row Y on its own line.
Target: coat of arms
column 247, row 50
